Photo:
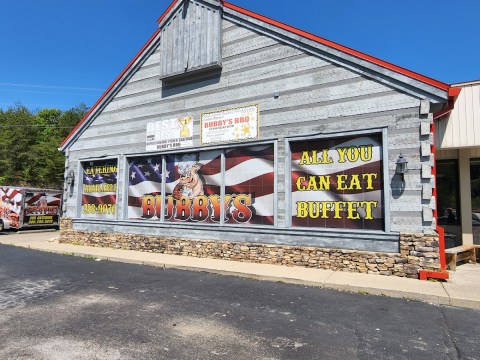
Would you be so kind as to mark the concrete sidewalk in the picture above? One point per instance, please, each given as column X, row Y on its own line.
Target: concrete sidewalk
column 463, row 289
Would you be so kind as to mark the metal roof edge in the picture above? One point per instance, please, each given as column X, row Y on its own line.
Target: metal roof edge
column 175, row 4
column 90, row 113
column 466, row 83
column 443, row 87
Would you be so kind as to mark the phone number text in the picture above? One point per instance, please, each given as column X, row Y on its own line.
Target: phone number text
column 98, row 209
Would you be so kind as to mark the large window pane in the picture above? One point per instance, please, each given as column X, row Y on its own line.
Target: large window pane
column 475, row 185
column 338, row 183
column 193, row 184
column 249, row 185
column 447, row 193
column 99, row 189
column 144, row 187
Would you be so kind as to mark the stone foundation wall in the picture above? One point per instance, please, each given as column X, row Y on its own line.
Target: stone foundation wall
column 417, row 251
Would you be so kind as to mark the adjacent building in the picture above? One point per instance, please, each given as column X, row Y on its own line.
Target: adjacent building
column 458, row 166
column 234, row 136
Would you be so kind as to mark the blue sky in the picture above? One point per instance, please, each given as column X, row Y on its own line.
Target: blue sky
column 57, row 53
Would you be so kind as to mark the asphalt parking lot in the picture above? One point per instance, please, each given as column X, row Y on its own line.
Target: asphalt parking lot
column 64, row 307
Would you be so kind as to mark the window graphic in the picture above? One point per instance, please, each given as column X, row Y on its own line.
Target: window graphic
column 338, row 183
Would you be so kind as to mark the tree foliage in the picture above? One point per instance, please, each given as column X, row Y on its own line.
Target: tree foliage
column 29, row 144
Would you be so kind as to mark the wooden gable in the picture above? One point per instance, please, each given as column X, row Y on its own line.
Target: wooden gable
column 190, row 39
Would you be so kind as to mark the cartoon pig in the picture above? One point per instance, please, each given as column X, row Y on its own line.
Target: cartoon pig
column 190, row 184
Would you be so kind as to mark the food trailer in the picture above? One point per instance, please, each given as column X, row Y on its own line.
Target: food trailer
column 23, row 207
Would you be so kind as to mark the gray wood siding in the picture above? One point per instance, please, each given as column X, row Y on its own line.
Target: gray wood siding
column 190, row 40
column 315, row 97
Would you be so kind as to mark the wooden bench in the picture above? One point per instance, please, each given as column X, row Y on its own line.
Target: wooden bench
column 459, row 253
column 477, row 251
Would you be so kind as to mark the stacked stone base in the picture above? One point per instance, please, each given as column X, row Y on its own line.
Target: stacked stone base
column 417, row 251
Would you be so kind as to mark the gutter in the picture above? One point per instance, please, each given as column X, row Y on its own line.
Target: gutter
column 453, row 93
column 443, row 274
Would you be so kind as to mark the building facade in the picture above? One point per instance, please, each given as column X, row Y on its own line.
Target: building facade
column 234, row 136
column 458, row 166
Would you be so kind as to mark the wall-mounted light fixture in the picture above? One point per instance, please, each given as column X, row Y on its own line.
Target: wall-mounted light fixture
column 70, row 181
column 401, row 166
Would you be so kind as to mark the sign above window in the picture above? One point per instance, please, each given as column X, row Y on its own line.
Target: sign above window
column 230, row 125
column 169, row 134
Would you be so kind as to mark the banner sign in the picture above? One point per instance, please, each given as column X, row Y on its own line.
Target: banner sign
column 169, row 134
column 193, row 185
column 42, row 208
column 338, row 183
column 230, row 125
column 29, row 207
column 99, row 189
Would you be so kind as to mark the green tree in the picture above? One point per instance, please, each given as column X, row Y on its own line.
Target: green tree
column 18, row 135
column 29, row 144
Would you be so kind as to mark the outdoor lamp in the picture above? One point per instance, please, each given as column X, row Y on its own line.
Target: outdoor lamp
column 402, row 167
column 71, row 181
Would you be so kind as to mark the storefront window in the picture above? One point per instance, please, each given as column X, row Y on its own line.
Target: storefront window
column 338, row 183
column 475, row 186
column 447, row 193
column 99, row 189
column 144, row 187
column 192, row 187
column 195, row 182
column 249, row 185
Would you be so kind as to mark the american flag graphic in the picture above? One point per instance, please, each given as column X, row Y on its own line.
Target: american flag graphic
column 145, row 178
column 373, row 165
column 250, row 170
column 43, row 198
column 11, row 200
column 11, row 195
column 99, row 178
column 247, row 171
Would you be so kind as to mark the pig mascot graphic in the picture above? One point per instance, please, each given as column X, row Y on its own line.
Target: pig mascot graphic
column 190, row 184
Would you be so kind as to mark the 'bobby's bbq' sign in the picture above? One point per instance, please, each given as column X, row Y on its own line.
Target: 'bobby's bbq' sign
column 230, row 125
column 337, row 183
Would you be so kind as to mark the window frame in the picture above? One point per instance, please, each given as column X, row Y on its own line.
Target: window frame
column 383, row 132
column 455, row 163
column 222, row 148
column 78, row 212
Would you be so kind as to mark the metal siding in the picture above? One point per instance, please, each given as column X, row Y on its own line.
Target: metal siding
column 476, row 113
column 462, row 127
column 315, row 97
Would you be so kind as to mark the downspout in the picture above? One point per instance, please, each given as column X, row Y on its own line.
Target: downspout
column 443, row 274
